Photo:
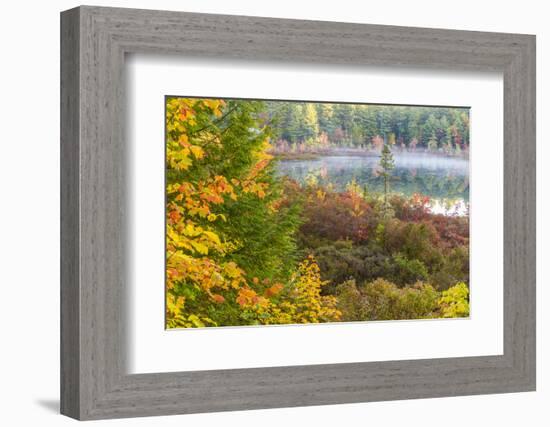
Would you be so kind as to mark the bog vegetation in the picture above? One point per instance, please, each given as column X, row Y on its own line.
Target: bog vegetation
column 246, row 246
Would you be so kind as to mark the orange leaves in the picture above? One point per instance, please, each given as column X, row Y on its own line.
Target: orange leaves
column 250, row 185
column 257, row 168
column 218, row 298
column 213, row 190
column 249, row 298
column 273, row 290
column 253, row 187
column 202, row 271
column 419, row 200
column 246, row 297
column 174, row 216
column 184, row 140
column 195, row 250
column 185, row 188
column 181, row 109
column 207, row 180
column 299, row 301
column 187, row 149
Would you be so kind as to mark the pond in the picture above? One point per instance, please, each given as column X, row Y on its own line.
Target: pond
column 444, row 179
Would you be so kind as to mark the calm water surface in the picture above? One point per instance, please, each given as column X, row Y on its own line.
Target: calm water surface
column 444, row 179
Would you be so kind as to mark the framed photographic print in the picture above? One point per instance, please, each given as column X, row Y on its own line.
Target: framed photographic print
column 303, row 212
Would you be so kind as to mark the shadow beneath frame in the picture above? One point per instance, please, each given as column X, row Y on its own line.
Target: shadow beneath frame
column 52, row 405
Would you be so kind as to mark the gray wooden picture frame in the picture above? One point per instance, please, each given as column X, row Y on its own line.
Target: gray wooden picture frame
column 94, row 382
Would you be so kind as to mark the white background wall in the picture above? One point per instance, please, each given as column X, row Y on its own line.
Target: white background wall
column 29, row 213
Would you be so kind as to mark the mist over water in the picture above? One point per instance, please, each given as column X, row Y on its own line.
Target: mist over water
column 444, row 179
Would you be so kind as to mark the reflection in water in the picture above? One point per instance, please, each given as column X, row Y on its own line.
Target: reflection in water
column 443, row 179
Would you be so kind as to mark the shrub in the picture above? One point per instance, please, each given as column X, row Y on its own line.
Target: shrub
column 383, row 300
column 412, row 240
column 351, row 302
column 407, row 271
column 330, row 215
column 342, row 261
column 455, row 268
column 454, row 302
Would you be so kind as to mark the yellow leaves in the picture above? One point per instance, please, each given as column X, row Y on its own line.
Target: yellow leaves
column 232, row 271
column 311, row 180
column 183, row 163
column 311, row 307
column 196, row 321
column 177, row 240
column 253, row 187
column 202, row 278
column 216, row 280
column 199, row 247
column 215, row 105
column 183, row 140
column 213, row 217
column 190, row 230
column 300, row 301
column 265, row 149
column 213, row 237
column 321, row 195
column 174, row 305
column 180, row 108
column 185, row 149
column 197, row 151
column 188, row 236
column 454, row 302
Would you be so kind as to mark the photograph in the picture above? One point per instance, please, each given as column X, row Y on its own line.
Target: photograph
column 301, row 212
column 271, row 216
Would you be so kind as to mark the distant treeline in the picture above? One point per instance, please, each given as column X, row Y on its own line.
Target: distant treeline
column 368, row 126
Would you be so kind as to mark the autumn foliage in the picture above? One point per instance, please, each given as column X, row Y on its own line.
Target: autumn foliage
column 245, row 246
column 218, row 173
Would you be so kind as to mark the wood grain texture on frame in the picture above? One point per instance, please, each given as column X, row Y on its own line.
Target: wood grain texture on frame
column 94, row 235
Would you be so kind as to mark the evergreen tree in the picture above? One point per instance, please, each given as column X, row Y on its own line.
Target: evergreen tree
column 325, row 117
column 432, row 143
column 355, row 124
column 387, row 164
column 310, row 125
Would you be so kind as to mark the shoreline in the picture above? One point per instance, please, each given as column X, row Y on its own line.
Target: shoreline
column 314, row 155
